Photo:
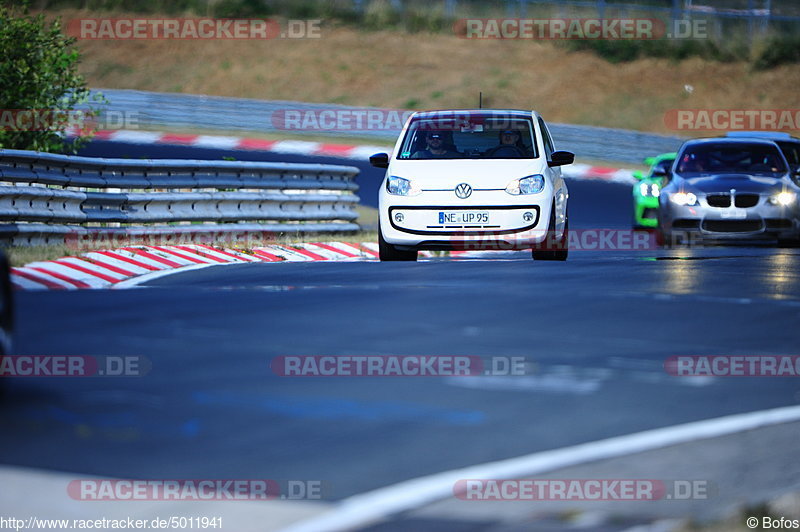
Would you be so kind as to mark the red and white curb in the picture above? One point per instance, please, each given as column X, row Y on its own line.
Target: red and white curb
column 124, row 267
column 289, row 147
column 321, row 149
column 602, row 173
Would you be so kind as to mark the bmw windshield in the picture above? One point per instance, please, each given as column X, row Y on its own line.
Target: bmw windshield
column 791, row 150
column 473, row 137
column 704, row 159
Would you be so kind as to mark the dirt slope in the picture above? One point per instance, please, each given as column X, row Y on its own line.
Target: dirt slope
column 424, row 71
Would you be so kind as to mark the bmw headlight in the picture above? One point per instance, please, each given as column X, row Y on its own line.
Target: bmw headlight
column 784, row 199
column 532, row 184
column 401, row 187
column 684, row 198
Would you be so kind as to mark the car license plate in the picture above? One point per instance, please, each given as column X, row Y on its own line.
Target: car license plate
column 734, row 214
column 463, row 217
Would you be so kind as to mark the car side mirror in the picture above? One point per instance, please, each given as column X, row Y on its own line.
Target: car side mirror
column 379, row 160
column 638, row 175
column 559, row 158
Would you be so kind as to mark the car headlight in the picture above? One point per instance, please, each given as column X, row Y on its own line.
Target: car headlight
column 401, row 187
column 784, row 199
column 649, row 190
column 684, row 198
column 532, row 184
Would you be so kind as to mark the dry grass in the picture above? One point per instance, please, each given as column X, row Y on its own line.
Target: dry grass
column 424, row 71
column 20, row 256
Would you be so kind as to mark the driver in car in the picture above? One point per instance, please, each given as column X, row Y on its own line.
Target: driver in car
column 692, row 162
column 435, row 148
column 510, row 145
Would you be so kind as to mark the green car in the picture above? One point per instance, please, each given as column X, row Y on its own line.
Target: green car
column 646, row 191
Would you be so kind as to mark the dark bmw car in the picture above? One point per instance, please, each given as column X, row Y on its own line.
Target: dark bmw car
column 730, row 188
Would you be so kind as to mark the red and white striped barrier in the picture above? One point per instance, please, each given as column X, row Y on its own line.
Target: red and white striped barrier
column 321, row 149
column 108, row 268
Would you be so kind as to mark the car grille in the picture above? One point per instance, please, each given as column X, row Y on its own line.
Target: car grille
column 746, row 200
column 732, row 226
column 650, row 213
column 723, row 201
column 719, row 200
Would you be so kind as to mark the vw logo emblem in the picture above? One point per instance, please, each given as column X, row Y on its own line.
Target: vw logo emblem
column 463, row 191
column 399, row 217
column 528, row 216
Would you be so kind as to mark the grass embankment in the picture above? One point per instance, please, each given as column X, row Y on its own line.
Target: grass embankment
column 397, row 69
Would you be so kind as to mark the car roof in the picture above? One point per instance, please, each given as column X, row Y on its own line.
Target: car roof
column 730, row 140
column 446, row 112
column 664, row 156
column 772, row 135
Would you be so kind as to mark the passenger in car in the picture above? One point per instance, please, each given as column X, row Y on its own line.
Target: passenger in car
column 511, row 145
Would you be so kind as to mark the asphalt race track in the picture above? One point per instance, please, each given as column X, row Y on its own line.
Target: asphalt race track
column 595, row 332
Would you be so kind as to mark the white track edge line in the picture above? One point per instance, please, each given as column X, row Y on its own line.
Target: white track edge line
column 366, row 508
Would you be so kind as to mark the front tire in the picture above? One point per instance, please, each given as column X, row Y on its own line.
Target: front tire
column 388, row 252
column 550, row 249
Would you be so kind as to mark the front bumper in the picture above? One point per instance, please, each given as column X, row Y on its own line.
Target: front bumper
column 449, row 226
column 762, row 222
column 645, row 211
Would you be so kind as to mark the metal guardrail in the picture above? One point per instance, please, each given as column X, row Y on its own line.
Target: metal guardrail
column 49, row 198
column 607, row 144
column 153, row 110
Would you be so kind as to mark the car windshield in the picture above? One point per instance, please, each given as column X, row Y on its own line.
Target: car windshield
column 731, row 158
column 791, row 150
column 472, row 137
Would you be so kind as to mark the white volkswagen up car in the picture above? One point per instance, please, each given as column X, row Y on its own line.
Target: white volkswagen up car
column 473, row 179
